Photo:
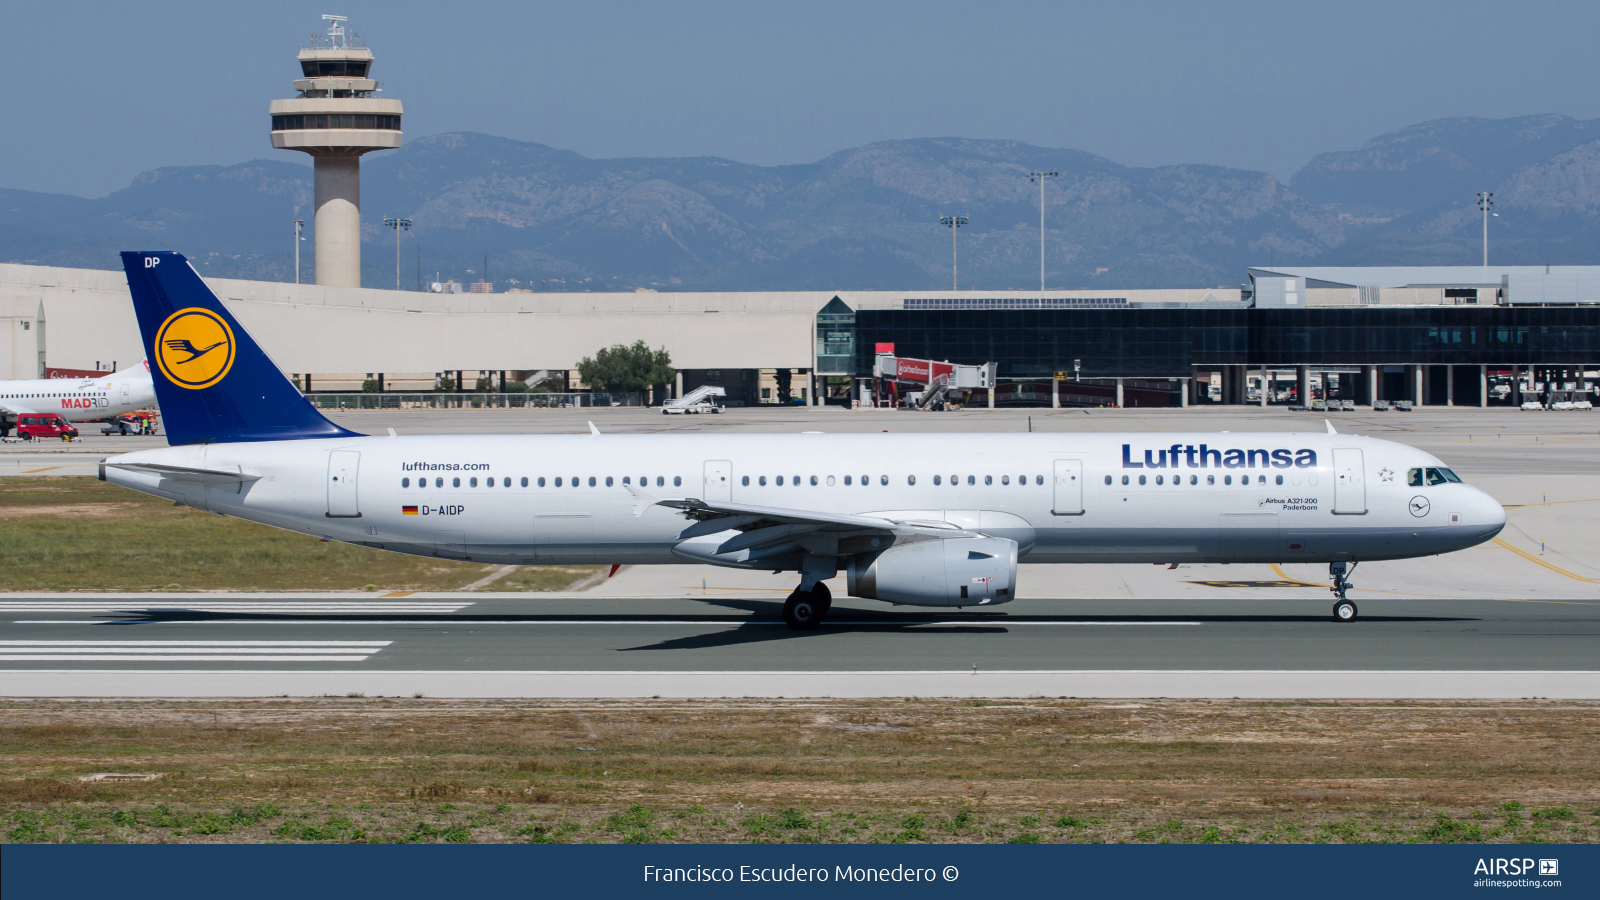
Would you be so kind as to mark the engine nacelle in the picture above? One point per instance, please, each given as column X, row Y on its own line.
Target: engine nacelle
column 952, row 572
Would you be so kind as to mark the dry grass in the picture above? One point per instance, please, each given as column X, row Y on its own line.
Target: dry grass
column 390, row 770
column 79, row 534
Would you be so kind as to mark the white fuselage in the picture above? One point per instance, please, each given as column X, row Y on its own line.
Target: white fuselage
column 1065, row 498
column 80, row 399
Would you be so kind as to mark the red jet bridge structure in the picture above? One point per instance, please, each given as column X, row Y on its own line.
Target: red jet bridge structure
column 925, row 382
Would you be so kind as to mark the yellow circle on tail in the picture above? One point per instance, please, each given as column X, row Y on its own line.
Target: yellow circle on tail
column 194, row 348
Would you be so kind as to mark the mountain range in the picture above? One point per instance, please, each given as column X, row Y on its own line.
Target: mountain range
column 865, row 218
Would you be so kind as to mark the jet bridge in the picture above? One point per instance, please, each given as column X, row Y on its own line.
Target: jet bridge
column 926, row 382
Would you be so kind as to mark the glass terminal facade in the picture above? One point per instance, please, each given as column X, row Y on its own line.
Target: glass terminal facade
column 1171, row 343
column 1232, row 354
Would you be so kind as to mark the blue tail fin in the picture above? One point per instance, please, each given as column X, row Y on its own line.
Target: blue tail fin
column 212, row 381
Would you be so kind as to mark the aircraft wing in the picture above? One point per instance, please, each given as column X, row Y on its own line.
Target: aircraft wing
column 12, row 407
column 205, row 476
column 763, row 524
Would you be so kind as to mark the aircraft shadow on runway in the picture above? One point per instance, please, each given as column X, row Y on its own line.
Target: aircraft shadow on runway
column 762, row 622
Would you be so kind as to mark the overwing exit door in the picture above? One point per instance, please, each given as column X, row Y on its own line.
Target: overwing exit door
column 342, row 468
column 719, row 480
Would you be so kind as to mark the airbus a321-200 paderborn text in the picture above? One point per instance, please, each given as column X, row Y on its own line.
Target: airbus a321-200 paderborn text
column 937, row 520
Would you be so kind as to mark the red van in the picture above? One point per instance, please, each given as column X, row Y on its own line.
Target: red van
column 38, row 426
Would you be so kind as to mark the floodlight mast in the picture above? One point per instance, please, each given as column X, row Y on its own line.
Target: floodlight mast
column 1486, row 204
column 954, row 222
column 1040, row 177
column 298, row 224
column 397, row 224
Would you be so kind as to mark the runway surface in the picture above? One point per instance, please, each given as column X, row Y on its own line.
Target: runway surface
column 228, row 645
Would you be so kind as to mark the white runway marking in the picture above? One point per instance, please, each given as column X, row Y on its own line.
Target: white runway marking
column 235, row 606
column 189, row 651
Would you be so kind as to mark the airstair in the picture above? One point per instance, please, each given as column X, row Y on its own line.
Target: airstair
column 700, row 400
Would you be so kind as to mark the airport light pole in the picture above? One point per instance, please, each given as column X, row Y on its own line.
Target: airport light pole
column 397, row 224
column 1040, row 177
column 298, row 224
column 1486, row 204
column 954, row 222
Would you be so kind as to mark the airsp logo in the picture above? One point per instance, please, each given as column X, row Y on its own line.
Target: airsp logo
column 194, row 348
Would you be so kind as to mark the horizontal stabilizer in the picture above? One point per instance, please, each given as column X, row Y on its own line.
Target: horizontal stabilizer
column 185, row 473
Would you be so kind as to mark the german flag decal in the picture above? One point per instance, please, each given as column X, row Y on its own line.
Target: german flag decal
column 408, row 510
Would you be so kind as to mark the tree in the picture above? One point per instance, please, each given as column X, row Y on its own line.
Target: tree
column 621, row 368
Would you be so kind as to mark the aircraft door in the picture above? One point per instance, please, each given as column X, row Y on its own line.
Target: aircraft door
column 1349, row 483
column 342, row 467
column 450, row 544
column 563, row 537
column 719, row 481
column 1248, row 537
column 1068, row 488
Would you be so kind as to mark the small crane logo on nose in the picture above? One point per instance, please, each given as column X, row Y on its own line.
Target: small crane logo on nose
column 1419, row 506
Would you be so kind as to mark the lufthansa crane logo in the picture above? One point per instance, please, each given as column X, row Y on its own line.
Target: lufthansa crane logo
column 194, row 348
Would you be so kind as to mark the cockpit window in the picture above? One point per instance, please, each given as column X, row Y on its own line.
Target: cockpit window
column 1431, row 476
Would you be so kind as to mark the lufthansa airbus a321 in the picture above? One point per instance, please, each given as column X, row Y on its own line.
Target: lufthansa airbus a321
column 919, row 519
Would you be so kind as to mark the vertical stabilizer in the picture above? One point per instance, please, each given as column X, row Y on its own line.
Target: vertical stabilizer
column 214, row 384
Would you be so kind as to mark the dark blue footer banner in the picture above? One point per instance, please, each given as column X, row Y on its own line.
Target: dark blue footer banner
column 132, row 872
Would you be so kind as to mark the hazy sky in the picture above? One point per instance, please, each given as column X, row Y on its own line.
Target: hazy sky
column 98, row 92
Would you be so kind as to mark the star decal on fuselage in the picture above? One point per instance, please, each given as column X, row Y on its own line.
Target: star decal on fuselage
column 1386, row 474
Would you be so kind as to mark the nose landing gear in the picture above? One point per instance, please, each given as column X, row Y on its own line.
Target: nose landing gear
column 1343, row 609
column 804, row 610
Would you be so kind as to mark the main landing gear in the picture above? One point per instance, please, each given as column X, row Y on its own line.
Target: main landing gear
column 804, row 609
column 1343, row 609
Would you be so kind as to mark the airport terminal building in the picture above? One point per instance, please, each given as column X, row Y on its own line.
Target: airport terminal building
column 1436, row 335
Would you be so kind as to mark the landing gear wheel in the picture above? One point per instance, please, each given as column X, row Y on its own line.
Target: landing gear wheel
column 1344, row 611
column 802, row 612
column 823, row 596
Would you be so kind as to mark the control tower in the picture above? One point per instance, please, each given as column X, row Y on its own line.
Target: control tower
column 336, row 117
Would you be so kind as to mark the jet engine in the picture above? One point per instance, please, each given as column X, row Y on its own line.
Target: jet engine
column 978, row 571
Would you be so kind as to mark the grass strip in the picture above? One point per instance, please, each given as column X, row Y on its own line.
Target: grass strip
column 413, row 770
column 80, row 534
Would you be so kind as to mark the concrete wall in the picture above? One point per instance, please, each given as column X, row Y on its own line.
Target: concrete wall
column 324, row 329
column 20, row 333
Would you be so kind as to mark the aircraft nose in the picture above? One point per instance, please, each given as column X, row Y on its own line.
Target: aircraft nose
column 1490, row 515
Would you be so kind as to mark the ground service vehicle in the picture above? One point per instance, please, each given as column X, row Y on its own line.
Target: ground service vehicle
column 45, row 426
